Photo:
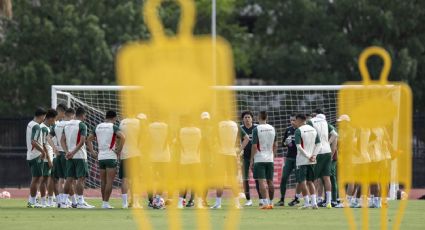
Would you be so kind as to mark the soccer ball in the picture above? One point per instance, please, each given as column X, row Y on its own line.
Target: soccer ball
column 158, row 203
column 5, row 195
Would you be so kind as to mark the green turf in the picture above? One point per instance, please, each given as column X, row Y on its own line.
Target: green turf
column 14, row 215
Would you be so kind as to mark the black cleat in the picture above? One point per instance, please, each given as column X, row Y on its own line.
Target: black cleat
column 280, row 203
column 294, row 202
column 190, row 204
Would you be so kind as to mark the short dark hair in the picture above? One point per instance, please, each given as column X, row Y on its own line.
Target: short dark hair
column 318, row 111
column 51, row 113
column 80, row 111
column 263, row 115
column 70, row 111
column 61, row 107
column 110, row 114
column 246, row 112
column 301, row 116
column 40, row 111
column 293, row 115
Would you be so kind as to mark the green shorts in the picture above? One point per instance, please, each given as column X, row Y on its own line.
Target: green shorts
column 108, row 164
column 36, row 167
column 305, row 172
column 245, row 170
column 60, row 166
column 46, row 170
column 126, row 164
column 263, row 170
column 77, row 168
column 323, row 166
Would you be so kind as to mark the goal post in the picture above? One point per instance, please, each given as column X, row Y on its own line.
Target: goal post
column 278, row 101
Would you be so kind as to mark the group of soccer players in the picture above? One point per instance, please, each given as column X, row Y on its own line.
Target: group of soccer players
column 58, row 142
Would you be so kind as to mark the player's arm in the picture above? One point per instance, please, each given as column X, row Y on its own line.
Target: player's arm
column 121, row 137
column 90, row 139
column 316, row 148
column 245, row 140
column 45, row 142
column 298, row 144
column 275, row 145
column 50, row 136
column 254, row 146
column 83, row 133
column 63, row 142
column 35, row 134
column 333, row 135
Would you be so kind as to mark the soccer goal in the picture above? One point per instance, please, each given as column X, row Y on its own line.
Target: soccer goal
column 279, row 101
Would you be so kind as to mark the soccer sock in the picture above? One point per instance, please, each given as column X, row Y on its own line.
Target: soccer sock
column 31, row 199
column 306, row 200
column 124, row 199
column 80, row 199
column 313, row 199
column 65, row 198
column 328, row 197
column 73, row 199
column 237, row 202
column 218, row 200
column 43, row 200
column 270, row 201
column 50, row 200
column 180, row 201
column 298, row 196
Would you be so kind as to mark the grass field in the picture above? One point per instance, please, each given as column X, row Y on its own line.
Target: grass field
column 14, row 215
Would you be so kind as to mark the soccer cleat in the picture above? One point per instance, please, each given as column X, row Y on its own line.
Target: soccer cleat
column 106, row 206
column 294, row 202
column 125, row 206
column 305, row 207
column 88, row 205
column 216, row 206
column 321, row 203
column 248, row 203
column 328, row 205
column 315, row 206
column 190, row 204
column 260, row 204
column 340, row 205
column 64, row 206
column 205, row 203
column 150, row 204
column 280, row 203
column 270, row 206
column 30, row 205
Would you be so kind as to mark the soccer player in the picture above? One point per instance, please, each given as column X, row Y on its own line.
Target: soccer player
column 130, row 157
column 110, row 141
column 35, row 154
column 248, row 126
column 307, row 142
column 190, row 170
column 160, row 156
column 207, row 152
column 264, row 147
column 73, row 143
column 60, row 166
column 290, row 163
column 226, row 162
column 324, row 158
column 47, row 184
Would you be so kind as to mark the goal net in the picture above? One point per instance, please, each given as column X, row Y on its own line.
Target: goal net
column 278, row 101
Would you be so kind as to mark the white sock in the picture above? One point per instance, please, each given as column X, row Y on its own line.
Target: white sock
column 181, row 201
column 328, row 197
column 74, row 199
column 31, row 199
column 80, row 199
column 124, row 199
column 65, row 198
column 50, row 200
column 218, row 200
column 313, row 199
column 306, row 200
column 237, row 202
column 299, row 195
column 43, row 200
column 349, row 199
column 270, row 201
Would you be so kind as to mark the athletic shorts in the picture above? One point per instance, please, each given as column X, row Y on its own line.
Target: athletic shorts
column 190, row 175
column 125, row 165
column 305, row 172
column 245, row 168
column 225, row 170
column 77, row 168
column 60, row 166
column 108, row 163
column 323, row 165
column 36, row 167
column 263, row 170
column 46, row 170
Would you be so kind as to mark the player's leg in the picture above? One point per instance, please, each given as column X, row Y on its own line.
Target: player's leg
column 102, row 173
column 301, row 176
column 232, row 172
column 36, row 177
column 124, row 182
column 110, row 175
column 44, row 184
column 245, row 174
column 269, row 179
column 324, row 172
column 310, row 183
column 334, row 182
column 286, row 172
column 81, row 174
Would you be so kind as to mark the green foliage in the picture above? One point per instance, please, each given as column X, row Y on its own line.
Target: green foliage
column 286, row 42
